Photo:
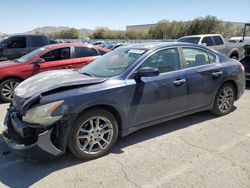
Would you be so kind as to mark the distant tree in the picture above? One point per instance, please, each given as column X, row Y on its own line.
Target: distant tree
column 67, row 34
column 207, row 25
column 173, row 30
column 137, row 35
column 106, row 33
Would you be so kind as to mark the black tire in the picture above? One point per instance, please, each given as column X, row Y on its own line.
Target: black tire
column 74, row 141
column 218, row 104
column 6, row 83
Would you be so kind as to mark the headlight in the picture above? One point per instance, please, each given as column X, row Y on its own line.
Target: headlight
column 42, row 114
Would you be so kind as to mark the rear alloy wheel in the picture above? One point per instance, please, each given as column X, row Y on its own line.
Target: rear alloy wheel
column 224, row 100
column 7, row 89
column 94, row 134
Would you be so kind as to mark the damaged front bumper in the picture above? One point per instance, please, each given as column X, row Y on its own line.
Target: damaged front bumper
column 29, row 142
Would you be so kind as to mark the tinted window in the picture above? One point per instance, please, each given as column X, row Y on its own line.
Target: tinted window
column 195, row 57
column 193, row 40
column 218, row 40
column 165, row 61
column 56, row 55
column 37, row 41
column 85, row 52
column 208, row 41
column 17, row 42
column 102, row 52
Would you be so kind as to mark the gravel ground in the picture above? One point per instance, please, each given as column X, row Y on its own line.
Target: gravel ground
column 199, row 150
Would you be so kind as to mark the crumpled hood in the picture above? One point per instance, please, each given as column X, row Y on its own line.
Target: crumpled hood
column 50, row 80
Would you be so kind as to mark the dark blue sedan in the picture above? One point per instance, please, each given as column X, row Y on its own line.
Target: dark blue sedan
column 132, row 87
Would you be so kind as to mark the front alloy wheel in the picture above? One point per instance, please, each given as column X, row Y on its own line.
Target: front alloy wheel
column 93, row 134
column 7, row 89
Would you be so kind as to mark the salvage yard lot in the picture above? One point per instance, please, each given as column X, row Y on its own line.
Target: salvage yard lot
column 200, row 150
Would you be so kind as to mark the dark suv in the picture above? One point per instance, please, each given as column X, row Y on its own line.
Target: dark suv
column 16, row 46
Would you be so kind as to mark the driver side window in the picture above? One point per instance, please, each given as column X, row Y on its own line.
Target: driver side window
column 57, row 54
column 165, row 61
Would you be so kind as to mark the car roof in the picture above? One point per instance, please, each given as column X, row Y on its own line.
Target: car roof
column 24, row 35
column 61, row 45
column 202, row 35
column 151, row 45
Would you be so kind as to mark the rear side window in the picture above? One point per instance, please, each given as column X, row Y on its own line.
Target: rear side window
column 195, row 57
column 208, row 41
column 218, row 40
column 85, row 52
column 37, row 41
column 57, row 54
column 212, row 58
column 17, row 42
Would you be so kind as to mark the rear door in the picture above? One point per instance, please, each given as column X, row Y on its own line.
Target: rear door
column 219, row 44
column 203, row 75
column 36, row 41
column 84, row 55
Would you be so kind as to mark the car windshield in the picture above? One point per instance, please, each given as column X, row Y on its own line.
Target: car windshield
column 30, row 55
column 193, row 40
column 112, row 63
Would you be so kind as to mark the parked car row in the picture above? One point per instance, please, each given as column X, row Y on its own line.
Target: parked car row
column 50, row 57
column 132, row 87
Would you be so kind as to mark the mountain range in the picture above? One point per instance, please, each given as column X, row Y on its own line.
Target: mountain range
column 52, row 29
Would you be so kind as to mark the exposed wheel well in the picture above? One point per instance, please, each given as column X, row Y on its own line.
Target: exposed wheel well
column 235, row 54
column 11, row 77
column 110, row 109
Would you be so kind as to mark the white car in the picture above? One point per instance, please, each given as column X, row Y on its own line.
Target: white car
column 239, row 40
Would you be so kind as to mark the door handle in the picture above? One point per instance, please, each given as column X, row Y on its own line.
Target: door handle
column 219, row 73
column 179, row 82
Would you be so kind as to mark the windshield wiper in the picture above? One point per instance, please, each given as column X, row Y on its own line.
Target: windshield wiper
column 86, row 74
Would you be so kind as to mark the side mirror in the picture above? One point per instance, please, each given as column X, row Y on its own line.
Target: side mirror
column 39, row 61
column 147, row 72
column 204, row 44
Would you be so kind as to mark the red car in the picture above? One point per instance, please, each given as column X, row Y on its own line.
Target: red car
column 51, row 57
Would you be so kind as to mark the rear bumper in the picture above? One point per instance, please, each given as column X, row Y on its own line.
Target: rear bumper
column 41, row 148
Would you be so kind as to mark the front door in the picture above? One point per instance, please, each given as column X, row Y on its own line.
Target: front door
column 161, row 96
column 55, row 59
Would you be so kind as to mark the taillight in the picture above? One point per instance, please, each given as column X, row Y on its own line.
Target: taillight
column 242, row 67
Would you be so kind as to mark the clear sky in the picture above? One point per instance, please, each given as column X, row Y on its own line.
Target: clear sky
column 23, row 15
